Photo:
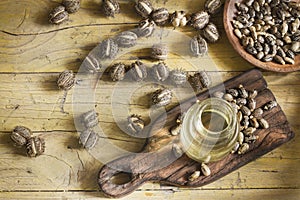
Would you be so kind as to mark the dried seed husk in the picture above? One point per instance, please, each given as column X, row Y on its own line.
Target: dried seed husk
column 91, row 64
column 117, row 72
column 178, row 77
column 243, row 148
column 211, row 33
column 111, row 7
column 270, row 105
column 135, row 124
column 72, row 6
column 58, row 15
column 145, row 28
column 20, row 135
column 66, row 80
column 205, row 169
column 194, row 176
column 213, row 6
column 35, row 146
column 160, row 71
column 126, row 39
column 160, row 16
column 263, row 123
column 161, row 97
column 89, row 119
column 199, row 20
column 144, row 8
column 108, row 49
column 159, row 51
column 88, row 138
column 198, row 46
column 195, row 82
column 179, row 18
column 138, row 71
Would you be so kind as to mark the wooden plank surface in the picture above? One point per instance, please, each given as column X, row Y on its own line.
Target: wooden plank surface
column 32, row 52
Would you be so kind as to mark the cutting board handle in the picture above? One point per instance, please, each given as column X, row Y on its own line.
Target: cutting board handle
column 139, row 167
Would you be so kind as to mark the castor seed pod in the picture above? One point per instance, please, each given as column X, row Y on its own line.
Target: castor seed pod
column 72, row 6
column 20, row 135
column 117, row 72
column 35, row 146
column 66, row 80
column 88, row 138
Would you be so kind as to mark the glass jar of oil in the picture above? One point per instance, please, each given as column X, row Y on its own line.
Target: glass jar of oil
column 209, row 130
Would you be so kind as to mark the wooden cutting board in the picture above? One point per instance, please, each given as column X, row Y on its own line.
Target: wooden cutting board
column 163, row 166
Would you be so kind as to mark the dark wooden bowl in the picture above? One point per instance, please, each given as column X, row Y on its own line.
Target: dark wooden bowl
column 230, row 11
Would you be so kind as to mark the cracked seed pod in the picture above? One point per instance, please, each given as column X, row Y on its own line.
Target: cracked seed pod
column 108, row 49
column 66, row 80
column 145, row 28
column 138, row 71
column 213, row 6
column 161, row 97
column 159, row 51
column 160, row 71
column 178, row 76
column 20, row 135
column 198, row 46
column 243, row 148
column 160, row 16
column 179, row 18
column 35, row 146
column 88, row 138
column 144, row 8
column 195, row 82
column 90, row 119
column 135, row 124
column 211, row 33
column 127, row 39
column 72, row 6
column 117, row 72
column 91, row 64
column 205, row 79
column 111, row 7
column 58, row 15
column 270, row 105
column 199, row 20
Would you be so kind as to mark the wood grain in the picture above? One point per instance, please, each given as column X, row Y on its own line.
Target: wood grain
column 33, row 52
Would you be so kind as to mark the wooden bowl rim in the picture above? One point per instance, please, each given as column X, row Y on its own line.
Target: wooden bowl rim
column 272, row 66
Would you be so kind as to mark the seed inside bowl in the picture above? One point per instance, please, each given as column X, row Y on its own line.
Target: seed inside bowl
column 269, row 29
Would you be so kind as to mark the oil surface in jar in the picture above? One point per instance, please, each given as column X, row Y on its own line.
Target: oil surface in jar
column 213, row 121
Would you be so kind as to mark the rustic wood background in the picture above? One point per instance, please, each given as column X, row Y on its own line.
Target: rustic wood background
column 33, row 53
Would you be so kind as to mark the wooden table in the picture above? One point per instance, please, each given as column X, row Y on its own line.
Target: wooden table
column 33, row 53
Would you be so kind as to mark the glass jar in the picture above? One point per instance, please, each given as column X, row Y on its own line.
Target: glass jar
column 209, row 130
